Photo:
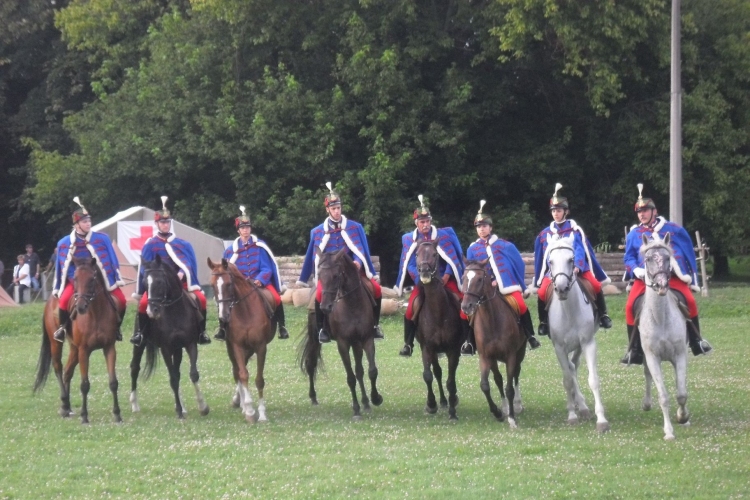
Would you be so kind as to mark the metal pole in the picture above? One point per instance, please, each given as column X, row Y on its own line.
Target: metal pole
column 675, row 124
column 703, row 251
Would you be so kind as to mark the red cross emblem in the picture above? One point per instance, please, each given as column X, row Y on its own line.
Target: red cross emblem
column 146, row 233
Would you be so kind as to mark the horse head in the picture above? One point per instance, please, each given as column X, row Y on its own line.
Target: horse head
column 561, row 264
column 657, row 258
column 473, row 285
column 332, row 273
column 222, row 281
column 85, row 283
column 427, row 260
column 162, row 284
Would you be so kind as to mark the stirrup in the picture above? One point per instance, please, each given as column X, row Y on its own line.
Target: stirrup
column 323, row 336
column 533, row 342
column 203, row 339
column 467, row 349
column 605, row 321
column 702, row 347
column 221, row 335
column 137, row 339
column 379, row 333
column 283, row 333
column 543, row 329
column 406, row 351
column 632, row 357
column 59, row 334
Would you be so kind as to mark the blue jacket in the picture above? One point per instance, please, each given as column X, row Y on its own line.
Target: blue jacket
column 585, row 258
column 350, row 234
column 175, row 250
column 683, row 263
column 93, row 245
column 255, row 261
column 505, row 263
column 449, row 248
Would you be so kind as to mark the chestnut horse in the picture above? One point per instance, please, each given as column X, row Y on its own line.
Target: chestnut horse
column 438, row 329
column 173, row 326
column 348, row 307
column 94, row 321
column 250, row 330
column 498, row 336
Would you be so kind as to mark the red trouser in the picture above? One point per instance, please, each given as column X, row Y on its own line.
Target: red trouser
column 376, row 290
column 68, row 292
column 451, row 286
column 588, row 276
column 675, row 283
column 143, row 304
column 276, row 297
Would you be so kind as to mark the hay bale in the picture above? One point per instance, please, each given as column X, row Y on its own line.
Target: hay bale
column 389, row 307
column 611, row 290
column 301, row 297
column 389, row 293
column 286, row 297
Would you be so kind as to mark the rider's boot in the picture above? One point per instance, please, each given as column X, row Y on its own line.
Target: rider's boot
column 281, row 321
column 469, row 346
column 221, row 332
column 323, row 336
column 202, row 336
column 139, row 331
column 118, row 332
column 528, row 329
column 376, row 315
column 59, row 334
column 697, row 344
column 410, row 330
column 543, row 321
column 604, row 320
column 634, row 356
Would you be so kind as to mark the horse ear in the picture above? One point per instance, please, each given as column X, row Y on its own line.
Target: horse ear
column 484, row 262
column 158, row 259
column 93, row 261
column 667, row 238
column 549, row 238
column 645, row 239
column 342, row 252
column 224, row 264
column 209, row 262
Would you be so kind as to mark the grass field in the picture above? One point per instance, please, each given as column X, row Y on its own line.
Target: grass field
column 397, row 451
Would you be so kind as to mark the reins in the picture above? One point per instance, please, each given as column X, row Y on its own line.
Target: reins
column 337, row 292
column 163, row 301
column 232, row 300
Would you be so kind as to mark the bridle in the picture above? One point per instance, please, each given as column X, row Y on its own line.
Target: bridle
column 481, row 298
column 87, row 297
column 664, row 270
column 163, row 301
column 232, row 300
column 569, row 275
column 339, row 295
column 427, row 268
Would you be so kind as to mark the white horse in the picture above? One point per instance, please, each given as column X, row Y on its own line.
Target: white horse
column 572, row 325
column 662, row 328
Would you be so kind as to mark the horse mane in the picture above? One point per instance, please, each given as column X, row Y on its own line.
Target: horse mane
column 86, row 263
column 558, row 242
column 656, row 242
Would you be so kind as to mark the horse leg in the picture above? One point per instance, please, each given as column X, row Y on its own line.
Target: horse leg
column 372, row 371
column 351, row 379
column 242, row 378
column 680, row 371
column 655, row 367
column 174, row 379
column 359, row 371
column 56, row 355
column 568, row 382
column 192, row 350
column 67, row 376
column 438, row 371
column 590, row 352
column 646, row 403
column 83, row 357
column 450, row 384
column 135, row 369
column 583, row 410
column 260, row 383
column 312, row 351
column 517, row 401
column 110, row 355
column 427, row 360
column 484, row 385
column 510, row 390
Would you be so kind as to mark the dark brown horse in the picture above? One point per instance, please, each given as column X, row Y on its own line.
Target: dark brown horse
column 498, row 336
column 250, row 330
column 348, row 307
column 438, row 329
column 94, row 321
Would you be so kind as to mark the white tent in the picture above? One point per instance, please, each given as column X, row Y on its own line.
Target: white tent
column 130, row 229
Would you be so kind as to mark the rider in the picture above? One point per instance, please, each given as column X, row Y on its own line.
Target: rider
column 83, row 243
column 256, row 262
column 450, row 267
column 177, row 252
column 505, row 261
column 586, row 265
column 683, row 279
column 337, row 232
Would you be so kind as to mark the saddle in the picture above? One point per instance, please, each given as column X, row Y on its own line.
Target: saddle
column 586, row 288
column 512, row 303
column 681, row 303
column 269, row 304
column 416, row 306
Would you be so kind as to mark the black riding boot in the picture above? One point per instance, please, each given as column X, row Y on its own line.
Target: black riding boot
column 469, row 346
column 323, row 336
column 376, row 315
column 118, row 333
column 528, row 329
column 604, row 320
column 221, row 332
column 139, row 332
column 697, row 344
column 59, row 334
column 634, row 356
column 543, row 321
column 202, row 337
column 410, row 330
column 281, row 321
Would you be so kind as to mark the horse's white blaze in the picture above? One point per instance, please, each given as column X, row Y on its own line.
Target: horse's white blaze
column 134, row 406
column 470, row 276
column 149, row 281
column 220, row 295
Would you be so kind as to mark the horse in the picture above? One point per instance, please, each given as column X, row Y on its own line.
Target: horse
column 663, row 331
column 173, row 326
column 94, row 320
column 498, row 337
column 573, row 323
column 348, row 307
column 250, row 330
column 438, row 329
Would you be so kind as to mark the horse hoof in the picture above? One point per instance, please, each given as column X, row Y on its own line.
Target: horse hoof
column 686, row 423
column 584, row 414
column 366, row 408
column 512, row 423
column 431, row 410
column 235, row 403
column 205, row 411
column 377, row 399
column 518, row 409
column 262, row 419
column 118, row 419
column 135, row 408
column 84, row 421
column 251, row 419
column 572, row 421
column 443, row 403
column 669, row 437
column 314, row 402
column 646, row 406
column 357, row 418
column 602, row 427
column 453, row 419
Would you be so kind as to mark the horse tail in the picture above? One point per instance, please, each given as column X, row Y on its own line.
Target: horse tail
column 309, row 352
column 152, row 360
column 45, row 359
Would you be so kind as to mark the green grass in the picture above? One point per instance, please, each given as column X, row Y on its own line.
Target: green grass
column 397, row 450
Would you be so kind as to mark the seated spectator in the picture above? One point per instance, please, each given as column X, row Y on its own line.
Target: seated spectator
column 21, row 278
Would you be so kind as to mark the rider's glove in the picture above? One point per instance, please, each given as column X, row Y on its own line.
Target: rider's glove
column 639, row 273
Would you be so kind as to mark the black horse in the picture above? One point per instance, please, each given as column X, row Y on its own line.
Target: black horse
column 174, row 325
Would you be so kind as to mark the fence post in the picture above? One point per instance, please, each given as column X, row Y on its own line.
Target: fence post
column 702, row 250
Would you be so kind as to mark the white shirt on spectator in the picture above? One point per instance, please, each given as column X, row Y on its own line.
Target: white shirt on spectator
column 20, row 271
